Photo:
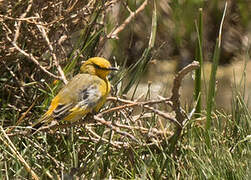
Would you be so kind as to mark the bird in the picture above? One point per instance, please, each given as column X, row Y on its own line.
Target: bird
column 85, row 93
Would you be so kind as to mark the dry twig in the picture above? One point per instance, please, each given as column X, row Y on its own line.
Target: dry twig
column 116, row 31
column 114, row 34
column 44, row 34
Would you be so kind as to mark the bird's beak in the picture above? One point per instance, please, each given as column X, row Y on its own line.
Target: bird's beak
column 113, row 69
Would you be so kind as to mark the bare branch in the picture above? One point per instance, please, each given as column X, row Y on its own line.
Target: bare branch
column 129, row 103
column 175, row 98
column 61, row 72
column 20, row 22
column 117, row 130
column 164, row 115
column 115, row 33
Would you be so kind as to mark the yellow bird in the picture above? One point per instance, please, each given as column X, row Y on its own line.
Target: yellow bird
column 85, row 93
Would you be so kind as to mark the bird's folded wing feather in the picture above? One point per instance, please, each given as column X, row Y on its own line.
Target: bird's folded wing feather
column 88, row 98
column 81, row 95
column 78, row 97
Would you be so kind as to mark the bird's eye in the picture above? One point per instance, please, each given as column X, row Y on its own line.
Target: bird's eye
column 97, row 66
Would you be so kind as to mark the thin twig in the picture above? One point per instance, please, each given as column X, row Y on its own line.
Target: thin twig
column 23, row 116
column 31, row 57
column 129, row 104
column 14, row 76
column 164, row 115
column 61, row 72
column 101, row 138
column 117, row 130
column 141, row 129
column 18, row 19
column 97, row 118
column 20, row 22
column 115, row 33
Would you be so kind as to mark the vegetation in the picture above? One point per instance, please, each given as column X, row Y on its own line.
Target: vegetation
column 43, row 44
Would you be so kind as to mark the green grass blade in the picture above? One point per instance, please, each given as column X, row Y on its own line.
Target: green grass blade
column 199, row 57
column 212, row 81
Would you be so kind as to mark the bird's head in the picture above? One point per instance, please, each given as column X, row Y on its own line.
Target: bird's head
column 97, row 66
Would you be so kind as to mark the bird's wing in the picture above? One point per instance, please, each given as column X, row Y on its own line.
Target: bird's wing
column 88, row 98
column 79, row 97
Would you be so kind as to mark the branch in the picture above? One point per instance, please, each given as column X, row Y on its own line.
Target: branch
column 175, row 98
column 164, row 115
column 109, row 124
column 20, row 22
column 114, row 34
column 30, row 56
column 33, row 59
column 44, row 34
column 129, row 103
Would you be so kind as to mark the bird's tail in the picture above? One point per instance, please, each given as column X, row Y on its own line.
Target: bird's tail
column 35, row 126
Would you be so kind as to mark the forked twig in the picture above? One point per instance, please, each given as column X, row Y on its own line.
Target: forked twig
column 44, row 34
column 20, row 22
